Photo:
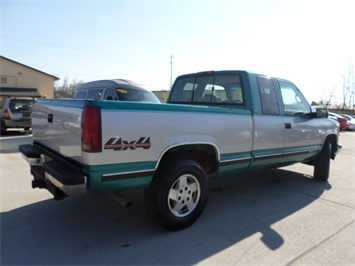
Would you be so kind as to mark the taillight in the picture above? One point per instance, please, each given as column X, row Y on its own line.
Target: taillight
column 6, row 114
column 91, row 138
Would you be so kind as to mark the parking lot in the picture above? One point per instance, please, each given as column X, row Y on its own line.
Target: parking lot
column 280, row 217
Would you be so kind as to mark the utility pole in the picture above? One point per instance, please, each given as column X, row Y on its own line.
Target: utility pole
column 171, row 70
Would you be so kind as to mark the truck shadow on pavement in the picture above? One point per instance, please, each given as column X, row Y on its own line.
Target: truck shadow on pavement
column 95, row 230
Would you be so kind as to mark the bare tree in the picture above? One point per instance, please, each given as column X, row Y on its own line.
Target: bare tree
column 348, row 82
column 352, row 93
column 327, row 97
column 66, row 89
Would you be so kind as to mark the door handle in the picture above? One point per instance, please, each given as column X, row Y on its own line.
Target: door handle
column 288, row 125
column 50, row 118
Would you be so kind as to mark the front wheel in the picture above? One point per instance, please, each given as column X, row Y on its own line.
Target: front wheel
column 322, row 163
column 177, row 194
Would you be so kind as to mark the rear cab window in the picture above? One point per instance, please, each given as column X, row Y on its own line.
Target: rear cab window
column 214, row 89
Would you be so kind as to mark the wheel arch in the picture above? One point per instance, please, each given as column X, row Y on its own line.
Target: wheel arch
column 333, row 140
column 206, row 154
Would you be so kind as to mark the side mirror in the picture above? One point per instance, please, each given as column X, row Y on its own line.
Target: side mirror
column 322, row 113
column 317, row 113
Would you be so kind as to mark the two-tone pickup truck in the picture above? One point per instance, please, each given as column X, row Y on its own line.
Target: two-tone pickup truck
column 215, row 123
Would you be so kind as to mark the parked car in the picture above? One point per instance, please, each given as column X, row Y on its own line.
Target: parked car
column 16, row 113
column 115, row 90
column 343, row 122
column 351, row 121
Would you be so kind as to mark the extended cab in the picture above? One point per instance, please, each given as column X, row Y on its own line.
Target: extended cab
column 215, row 124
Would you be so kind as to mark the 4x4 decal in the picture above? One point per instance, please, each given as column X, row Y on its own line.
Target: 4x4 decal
column 117, row 144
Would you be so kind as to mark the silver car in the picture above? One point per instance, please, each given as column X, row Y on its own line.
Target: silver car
column 351, row 121
column 16, row 113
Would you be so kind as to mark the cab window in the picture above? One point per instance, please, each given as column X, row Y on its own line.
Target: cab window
column 268, row 97
column 293, row 101
column 183, row 90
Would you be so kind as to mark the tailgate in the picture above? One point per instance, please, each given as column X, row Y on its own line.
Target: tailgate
column 56, row 123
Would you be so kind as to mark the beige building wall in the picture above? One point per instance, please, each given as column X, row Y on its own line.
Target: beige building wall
column 16, row 75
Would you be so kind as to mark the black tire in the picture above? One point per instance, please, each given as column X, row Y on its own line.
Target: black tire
column 3, row 128
column 322, row 163
column 177, row 195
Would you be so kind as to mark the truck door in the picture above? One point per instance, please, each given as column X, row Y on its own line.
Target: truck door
column 268, row 126
column 302, row 133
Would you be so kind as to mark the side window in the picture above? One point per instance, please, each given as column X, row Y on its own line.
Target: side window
column 293, row 100
column 268, row 96
column 80, row 95
column 110, row 95
column 90, row 94
column 98, row 94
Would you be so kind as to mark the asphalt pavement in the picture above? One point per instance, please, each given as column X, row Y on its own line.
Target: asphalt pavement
column 279, row 217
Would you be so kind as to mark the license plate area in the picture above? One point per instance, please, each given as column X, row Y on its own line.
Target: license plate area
column 26, row 115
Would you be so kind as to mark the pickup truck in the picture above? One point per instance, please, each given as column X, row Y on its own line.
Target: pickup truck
column 214, row 124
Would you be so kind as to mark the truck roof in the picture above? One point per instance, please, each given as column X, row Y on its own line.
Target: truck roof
column 216, row 71
column 249, row 73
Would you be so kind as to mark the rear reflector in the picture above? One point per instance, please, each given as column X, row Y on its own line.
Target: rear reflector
column 91, row 138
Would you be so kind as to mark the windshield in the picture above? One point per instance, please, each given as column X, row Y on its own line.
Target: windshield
column 133, row 95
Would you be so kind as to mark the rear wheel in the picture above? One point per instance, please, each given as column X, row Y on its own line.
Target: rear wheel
column 3, row 130
column 3, row 127
column 322, row 163
column 177, row 194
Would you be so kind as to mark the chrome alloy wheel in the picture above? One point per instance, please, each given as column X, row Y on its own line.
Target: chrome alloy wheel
column 184, row 195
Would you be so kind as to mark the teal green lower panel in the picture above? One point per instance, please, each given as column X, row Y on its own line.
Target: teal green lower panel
column 134, row 183
column 120, row 176
column 229, row 170
column 299, row 158
column 234, row 163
